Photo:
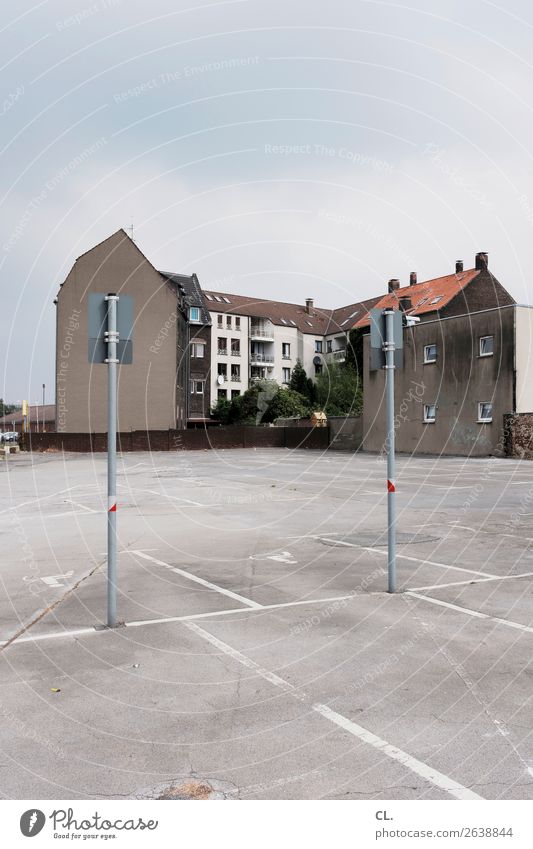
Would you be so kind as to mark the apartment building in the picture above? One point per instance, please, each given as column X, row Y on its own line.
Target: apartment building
column 255, row 338
column 465, row 365
column 167, row 385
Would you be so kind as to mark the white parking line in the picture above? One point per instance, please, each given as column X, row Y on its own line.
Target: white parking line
column 137, row 623
column 425, row 562
column 423, row 770
column 247, row 601
column 475, row 613
column 473, row 581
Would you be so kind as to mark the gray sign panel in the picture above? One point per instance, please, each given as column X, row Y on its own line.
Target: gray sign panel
column 98, row 327
column 377, row 339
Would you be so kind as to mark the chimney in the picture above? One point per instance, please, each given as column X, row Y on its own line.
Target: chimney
column 405, row 304
column 309, row 303
column 458, row 266
column 482, row 260
column 394, row 284
column 412, row 278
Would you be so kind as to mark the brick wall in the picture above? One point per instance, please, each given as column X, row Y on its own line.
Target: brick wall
column 185, row 440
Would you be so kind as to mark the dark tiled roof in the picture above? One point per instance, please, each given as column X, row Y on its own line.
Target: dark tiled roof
column 192, row 290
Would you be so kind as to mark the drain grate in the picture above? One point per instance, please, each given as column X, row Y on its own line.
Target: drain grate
column 367, row 540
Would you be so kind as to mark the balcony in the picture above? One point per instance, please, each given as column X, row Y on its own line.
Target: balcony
column 338, row 356
column 235, row 353
column 264, row 332
column 222, row 352
column 261, row 358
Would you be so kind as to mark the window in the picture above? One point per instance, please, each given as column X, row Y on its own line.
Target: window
column 220, row 321
column 329, row 346
column 222, row 346
column 227, row 300
column 237, row 323
column 194, row 314
column 318, row 346
column 286, row 375
column 486, row 346
column 236, row 374
column 318, row 369
column 197, row 350
column 208, row 296
column 222, row 394
column 235, row 347
column 430, row 353
column 436, row 300
column 228, row 322
column 484, row 411
column 283, row 321
column 430, row 413
column 235, row 393
column 197, row 387
column 286, row 350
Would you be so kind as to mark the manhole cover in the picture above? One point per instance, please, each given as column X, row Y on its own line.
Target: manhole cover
column 374, row 540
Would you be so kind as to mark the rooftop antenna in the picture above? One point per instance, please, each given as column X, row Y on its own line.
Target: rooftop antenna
column 130, row 228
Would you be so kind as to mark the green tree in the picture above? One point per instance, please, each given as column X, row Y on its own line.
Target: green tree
column 354, row 351
column 262, row 403
column 339, row 391
column 285, row 404
column 298, row 381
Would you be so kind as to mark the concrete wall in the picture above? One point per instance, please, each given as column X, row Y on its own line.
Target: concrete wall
column 146, row 389
column 524, row 358
column 346, row 432
column 456, row 383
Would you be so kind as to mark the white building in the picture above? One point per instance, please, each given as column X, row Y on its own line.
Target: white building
column 254, row 338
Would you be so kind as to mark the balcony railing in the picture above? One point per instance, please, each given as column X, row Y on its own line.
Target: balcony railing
column 235, row 378
column 261, row 333
column 235, row 353
column 222, row 352
column 337, row 356
column 261, row 358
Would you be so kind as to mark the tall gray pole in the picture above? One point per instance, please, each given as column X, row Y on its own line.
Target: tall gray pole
column 391, row 472
column 112, row 339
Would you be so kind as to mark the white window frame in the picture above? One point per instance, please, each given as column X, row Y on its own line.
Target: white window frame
column 195, row 310
column 220, row 321
column 486, row 353
column 286, row 370
column 426, row 355
column 427, row 418
column 319, row 346
column 195, row 347
column 486, row 420
column 286, row 350
column 194, row 386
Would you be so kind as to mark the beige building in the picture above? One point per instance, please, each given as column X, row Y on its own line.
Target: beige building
column 147, row 395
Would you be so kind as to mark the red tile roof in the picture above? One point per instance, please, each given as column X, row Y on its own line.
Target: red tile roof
column 428, row 296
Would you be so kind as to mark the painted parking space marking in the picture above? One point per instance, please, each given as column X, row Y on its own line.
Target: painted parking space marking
column 473, row 581
column 423, row 770
column 215, row 614
column 475, row 613
column 190, row 577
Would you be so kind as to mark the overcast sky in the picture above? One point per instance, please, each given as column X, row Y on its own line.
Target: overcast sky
column 278, row 148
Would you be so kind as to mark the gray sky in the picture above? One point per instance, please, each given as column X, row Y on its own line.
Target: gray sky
column 283, row 149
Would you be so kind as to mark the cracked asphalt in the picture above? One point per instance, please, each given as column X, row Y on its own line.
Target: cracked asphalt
column 259, row 653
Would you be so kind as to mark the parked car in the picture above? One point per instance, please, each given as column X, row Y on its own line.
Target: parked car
column 10, row 436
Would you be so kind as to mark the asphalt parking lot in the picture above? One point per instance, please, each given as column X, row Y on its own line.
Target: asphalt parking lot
column 260, row 654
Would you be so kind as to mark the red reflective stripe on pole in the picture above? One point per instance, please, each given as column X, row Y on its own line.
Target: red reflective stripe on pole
column 391, row 487
column 113, row 509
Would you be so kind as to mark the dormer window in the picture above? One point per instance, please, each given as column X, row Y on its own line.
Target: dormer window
column 194, row 314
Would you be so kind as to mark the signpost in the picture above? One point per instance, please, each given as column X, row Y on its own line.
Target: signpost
column 111, row 346
column 386, row 347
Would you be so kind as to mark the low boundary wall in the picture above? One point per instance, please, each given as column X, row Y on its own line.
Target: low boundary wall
column 185, row 440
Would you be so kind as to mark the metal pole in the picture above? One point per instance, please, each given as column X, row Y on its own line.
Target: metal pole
column 43, row 421
column 391, row 472
column 112, row 339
